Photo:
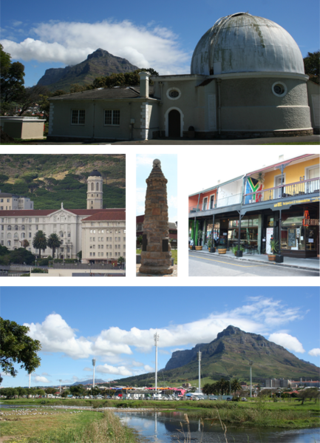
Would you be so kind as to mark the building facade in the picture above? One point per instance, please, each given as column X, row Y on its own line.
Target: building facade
column 71, row 227
column 13, row 202
column 104, row 238
column 246, row 79
column 280, row 201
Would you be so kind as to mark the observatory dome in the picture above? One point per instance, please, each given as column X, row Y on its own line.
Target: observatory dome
column 94, row 173
column 245, row 43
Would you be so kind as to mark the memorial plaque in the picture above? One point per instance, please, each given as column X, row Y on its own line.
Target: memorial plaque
column 144, row 242
column 165, row 244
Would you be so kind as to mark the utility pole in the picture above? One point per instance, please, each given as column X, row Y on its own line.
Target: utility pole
column 199, row 360
column 156, row 339
column 94, row 367
column 251, row 363
column 60, row 385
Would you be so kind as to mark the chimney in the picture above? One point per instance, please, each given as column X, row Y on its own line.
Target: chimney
column 144, row 84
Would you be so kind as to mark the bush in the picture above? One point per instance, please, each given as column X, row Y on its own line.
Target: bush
column 39, row 271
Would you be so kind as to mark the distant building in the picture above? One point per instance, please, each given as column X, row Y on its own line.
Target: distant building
column 277, row 383
column 14, row 202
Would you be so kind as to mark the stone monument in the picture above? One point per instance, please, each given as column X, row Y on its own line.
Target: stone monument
column 156, row 250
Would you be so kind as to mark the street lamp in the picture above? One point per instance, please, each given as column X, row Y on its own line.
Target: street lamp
column 60, row 385
column 199, row 360
column 94, row 367
column 156, row 339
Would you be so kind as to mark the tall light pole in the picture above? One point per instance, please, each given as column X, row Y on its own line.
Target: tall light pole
column 199, row 360
column 156, row 339
column 250, row 363
column 94, row 367
column 29, row 380
column 60, row 385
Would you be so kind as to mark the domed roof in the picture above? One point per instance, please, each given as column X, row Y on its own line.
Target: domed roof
column 244, row 43
column 94, row 173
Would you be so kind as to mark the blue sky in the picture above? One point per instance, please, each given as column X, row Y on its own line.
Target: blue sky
column 116, row 325
column 169, row 169
column 161, row 35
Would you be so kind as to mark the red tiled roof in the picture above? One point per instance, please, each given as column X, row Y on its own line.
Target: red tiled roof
column 139, row 218
column 114, row 215
column 43, row 212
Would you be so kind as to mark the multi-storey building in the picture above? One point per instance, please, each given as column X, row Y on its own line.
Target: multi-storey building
column 280, row 201
column 70, row 225
column 103, row 240
column 11, row 201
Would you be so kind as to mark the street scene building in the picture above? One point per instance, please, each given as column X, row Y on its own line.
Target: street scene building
column 279, row 202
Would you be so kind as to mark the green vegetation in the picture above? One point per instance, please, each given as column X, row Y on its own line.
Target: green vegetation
column 259, row 412
column 60, row 426
column 49, row 180
column 312, row 65
column 17, row 256
column 291, row 145
column 16, row 347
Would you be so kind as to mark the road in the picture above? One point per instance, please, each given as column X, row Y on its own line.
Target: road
column 210, row 266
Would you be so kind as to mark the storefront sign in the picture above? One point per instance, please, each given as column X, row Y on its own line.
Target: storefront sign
column 296, row 202
column 310, row 222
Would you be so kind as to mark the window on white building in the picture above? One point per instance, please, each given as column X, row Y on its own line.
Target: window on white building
column 112, row 118
column 78, row 116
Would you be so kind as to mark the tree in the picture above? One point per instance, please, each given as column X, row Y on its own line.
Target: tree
column 25, row 243
column 17, row 347
column 31, row 97
column 312, row 65
column 54, row 243
column 121, row 260
column 77, row 390
column 235, row 385
column 11, row 81
column 40, row 242
column 21, row 255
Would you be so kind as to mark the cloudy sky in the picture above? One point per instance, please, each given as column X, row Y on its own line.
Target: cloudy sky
column 206, row 168
column 170, row 171
column 162, row 36
column 117, row 325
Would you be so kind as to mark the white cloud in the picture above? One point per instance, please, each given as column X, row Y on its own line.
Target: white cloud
column 260, row 315
column 287, row 341
column 148, row 368
column 315, row 352
column 70, row 43
column 108, row 369
column 39, row 379
column 56, row 335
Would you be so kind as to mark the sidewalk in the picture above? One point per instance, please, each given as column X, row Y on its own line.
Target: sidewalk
column 301, row 263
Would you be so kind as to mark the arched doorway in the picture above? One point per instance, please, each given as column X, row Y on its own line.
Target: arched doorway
column 174, row 123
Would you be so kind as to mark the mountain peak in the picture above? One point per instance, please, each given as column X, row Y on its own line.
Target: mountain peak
column 230, row 330
column 98, row 53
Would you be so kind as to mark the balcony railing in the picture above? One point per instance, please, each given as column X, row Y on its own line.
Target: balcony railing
column 227, row 201
column 296, row 189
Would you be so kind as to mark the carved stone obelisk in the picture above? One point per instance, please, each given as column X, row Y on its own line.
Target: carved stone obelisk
column 156, row 250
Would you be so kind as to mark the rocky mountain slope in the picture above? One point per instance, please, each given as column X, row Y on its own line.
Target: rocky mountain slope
column 99, row 63
column 229, row 355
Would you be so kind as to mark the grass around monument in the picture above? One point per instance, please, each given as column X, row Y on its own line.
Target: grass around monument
column 174, row 254
column 40, row 425
column 258, row 412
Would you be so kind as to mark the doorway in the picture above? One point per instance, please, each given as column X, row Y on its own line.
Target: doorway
column 174, row 123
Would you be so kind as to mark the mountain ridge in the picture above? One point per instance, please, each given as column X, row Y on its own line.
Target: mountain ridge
column 229, row 356
column 97, row 64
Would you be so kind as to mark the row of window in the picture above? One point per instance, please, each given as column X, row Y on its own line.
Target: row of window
column 101, row 254
column 107, row 246
column 111, row 118
column 102, row 239
column 103, row 231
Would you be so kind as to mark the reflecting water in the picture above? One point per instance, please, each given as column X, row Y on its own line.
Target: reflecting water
column 167, row 428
